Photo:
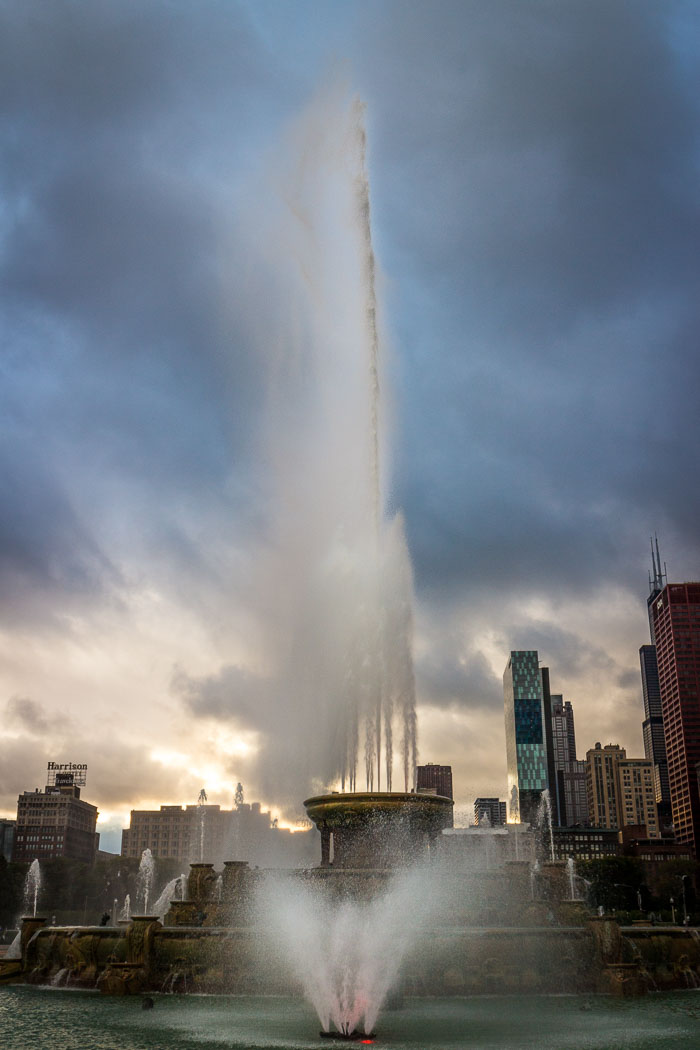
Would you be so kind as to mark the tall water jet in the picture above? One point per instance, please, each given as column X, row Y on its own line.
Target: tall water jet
column 32, row 887
column 337, row 636
column 144, row 880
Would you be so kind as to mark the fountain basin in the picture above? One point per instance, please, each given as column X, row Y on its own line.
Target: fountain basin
column 375, row 829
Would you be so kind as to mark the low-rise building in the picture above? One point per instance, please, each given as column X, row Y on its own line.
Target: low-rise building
column 208, row 833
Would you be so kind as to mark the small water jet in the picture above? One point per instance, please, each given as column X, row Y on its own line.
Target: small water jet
column 167, row 895
column 544, row 823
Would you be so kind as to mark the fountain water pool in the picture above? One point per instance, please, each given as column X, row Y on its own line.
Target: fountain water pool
column 47, row 1018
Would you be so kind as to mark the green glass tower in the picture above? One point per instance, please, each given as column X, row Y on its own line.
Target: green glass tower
column 526, row 741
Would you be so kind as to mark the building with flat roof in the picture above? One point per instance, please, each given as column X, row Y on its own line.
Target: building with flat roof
column 208, row 833
column 55, row 822
column 620, row 790
column 432, row 775
column 489, row 813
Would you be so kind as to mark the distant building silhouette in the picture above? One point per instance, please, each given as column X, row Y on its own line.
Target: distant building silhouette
column 489, row 812
column 205, row 832
column 653, row 724
column 438, row 778
column 435, row 776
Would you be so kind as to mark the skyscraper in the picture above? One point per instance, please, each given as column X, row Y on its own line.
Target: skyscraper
column 653, row 724
column 570, row 773
column 526, row 738
column 676, row 630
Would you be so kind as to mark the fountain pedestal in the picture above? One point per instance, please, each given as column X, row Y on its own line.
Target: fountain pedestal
column 200, row 882
column 30, row 925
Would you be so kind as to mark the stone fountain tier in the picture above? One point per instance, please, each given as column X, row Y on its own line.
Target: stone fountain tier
column 375, row 829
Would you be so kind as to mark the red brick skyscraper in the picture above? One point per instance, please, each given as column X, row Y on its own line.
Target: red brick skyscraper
column 676, row 618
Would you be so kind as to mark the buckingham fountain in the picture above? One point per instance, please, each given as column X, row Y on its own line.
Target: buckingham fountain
column 387, row 914
column 394, row 908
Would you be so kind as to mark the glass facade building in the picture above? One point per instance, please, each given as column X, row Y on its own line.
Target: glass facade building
column 526, row 747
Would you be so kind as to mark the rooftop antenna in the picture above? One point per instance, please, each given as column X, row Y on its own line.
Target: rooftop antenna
column 658, row 580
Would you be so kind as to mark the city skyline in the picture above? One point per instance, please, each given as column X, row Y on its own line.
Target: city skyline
column 535, row 224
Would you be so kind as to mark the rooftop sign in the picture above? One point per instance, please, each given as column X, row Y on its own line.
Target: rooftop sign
column 65, row 774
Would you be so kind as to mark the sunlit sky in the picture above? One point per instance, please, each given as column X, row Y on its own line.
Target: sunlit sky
column 534, row 175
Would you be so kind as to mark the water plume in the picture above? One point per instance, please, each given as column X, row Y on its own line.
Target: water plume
column 346, row 953
column 333, row 688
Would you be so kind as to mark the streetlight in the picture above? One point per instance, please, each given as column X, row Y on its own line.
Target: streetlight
column 673, row 911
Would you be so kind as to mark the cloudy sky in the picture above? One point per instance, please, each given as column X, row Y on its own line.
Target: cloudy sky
column 534, row 173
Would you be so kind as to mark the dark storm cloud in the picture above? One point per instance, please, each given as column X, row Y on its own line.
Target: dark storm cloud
column 126, row 130
column 449, row 677
column 232, row 694
column 533, row 193
column 535, row 173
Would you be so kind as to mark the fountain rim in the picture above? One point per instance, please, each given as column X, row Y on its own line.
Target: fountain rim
column 417, row 797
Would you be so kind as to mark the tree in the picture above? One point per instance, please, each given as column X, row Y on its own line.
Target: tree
column 614, row 881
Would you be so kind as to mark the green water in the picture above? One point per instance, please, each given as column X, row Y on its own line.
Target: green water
column 48, row 1019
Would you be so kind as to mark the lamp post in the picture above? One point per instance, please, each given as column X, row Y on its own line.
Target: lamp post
column 682, row 879
column 673, row 911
